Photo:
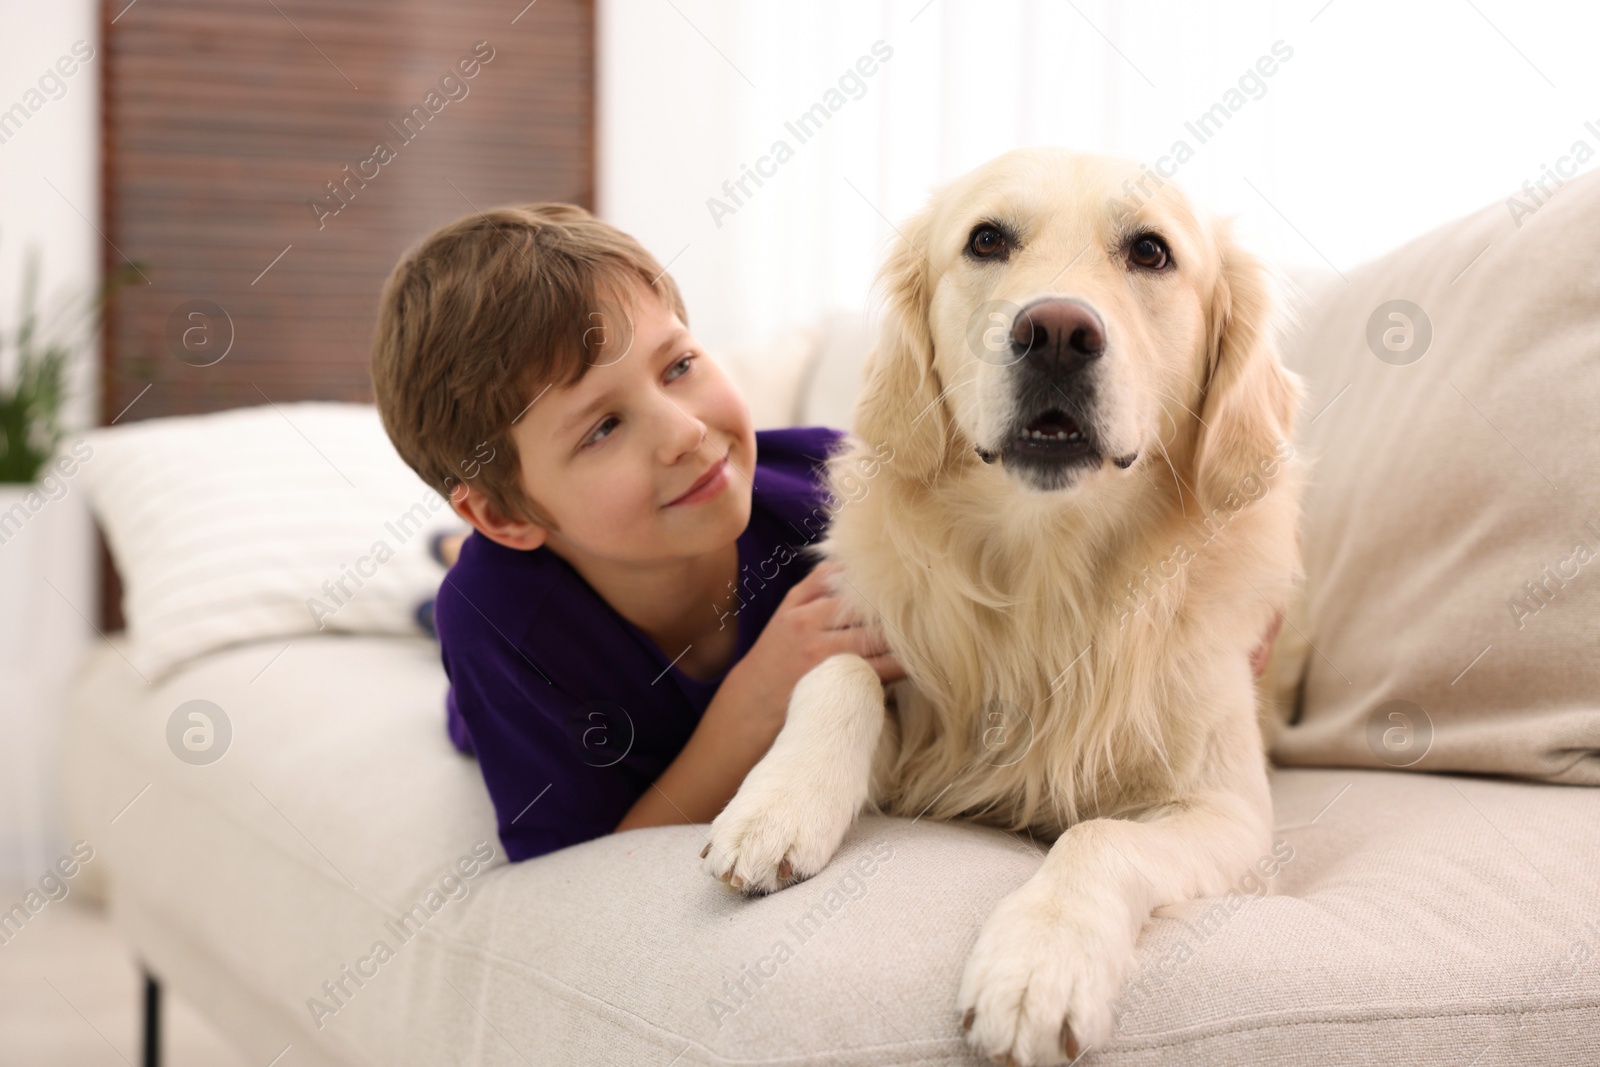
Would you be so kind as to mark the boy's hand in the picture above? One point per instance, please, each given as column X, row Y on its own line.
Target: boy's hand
column 801, row 634
column 807, row 628
column 1263, row 652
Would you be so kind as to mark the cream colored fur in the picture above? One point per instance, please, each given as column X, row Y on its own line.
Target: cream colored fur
column 1037, row 701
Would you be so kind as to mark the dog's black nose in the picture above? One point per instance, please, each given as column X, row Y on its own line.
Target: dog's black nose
column 1058, row 335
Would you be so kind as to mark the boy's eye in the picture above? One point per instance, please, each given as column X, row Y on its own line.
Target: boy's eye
column 593, row 439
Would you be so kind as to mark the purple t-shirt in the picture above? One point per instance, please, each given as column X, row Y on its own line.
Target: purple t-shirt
column 571, row 710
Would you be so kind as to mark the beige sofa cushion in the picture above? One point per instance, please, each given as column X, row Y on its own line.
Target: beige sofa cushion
column 1416, row 919
column 1451, row 618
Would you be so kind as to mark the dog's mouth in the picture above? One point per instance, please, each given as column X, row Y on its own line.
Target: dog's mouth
column 1051, row 450
column 1053, row 435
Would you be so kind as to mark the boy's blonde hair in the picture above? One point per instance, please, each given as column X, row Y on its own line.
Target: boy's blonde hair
column 479, row 318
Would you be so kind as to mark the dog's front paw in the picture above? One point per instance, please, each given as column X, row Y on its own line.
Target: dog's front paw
column 1043, row 979
column 774, row 833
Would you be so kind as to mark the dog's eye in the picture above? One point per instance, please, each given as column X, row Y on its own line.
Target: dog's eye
column 1149, row 250
column 987, row 242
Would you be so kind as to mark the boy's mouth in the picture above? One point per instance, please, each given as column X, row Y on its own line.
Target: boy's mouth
column 702, row 481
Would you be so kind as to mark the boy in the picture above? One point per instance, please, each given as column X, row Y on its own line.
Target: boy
column 624, row 626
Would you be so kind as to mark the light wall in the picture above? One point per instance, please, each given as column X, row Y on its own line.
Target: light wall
column 49, row 200
column 1385, row 120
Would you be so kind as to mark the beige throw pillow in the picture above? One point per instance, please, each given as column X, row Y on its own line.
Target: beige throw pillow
column 1451, row 615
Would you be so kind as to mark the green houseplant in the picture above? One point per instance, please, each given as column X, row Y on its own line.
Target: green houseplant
column 34, row 366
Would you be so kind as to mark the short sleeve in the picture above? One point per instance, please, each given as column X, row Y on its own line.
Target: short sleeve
column 546, row 756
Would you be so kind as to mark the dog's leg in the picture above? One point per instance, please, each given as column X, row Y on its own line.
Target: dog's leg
column 787, row 819
column 1042, row 980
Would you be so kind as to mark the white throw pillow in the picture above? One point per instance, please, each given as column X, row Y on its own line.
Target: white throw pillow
column 261, row 522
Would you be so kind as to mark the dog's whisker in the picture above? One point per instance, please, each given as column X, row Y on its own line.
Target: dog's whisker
column 1160, row 444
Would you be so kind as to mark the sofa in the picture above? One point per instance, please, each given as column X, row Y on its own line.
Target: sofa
column 286, row 835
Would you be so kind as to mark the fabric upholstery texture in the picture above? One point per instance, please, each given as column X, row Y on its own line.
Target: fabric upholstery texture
column 1451, row 618
column 1420, row 919
column 267, row 521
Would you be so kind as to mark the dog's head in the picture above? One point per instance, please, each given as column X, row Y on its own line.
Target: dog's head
column 1067, row 317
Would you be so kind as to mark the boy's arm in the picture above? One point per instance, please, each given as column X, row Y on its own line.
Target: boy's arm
column 749, row 708
column 731, row 738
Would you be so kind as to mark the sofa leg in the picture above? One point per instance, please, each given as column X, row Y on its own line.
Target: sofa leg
column 152, row 1019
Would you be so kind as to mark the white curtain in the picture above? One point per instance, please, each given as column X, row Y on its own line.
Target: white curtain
column 1376, row 122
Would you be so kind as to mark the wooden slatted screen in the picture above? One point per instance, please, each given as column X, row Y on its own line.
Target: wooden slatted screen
column 266, row 161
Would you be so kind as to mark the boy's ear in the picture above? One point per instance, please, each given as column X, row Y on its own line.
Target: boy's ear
column 478, row 510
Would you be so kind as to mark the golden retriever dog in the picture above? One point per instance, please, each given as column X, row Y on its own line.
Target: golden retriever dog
column 1081, row 518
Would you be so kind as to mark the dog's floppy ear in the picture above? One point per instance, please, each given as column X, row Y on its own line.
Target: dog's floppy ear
column 901, row 402
column 1250, row 401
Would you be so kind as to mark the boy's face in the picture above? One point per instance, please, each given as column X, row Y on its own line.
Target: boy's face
column 610, row 457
